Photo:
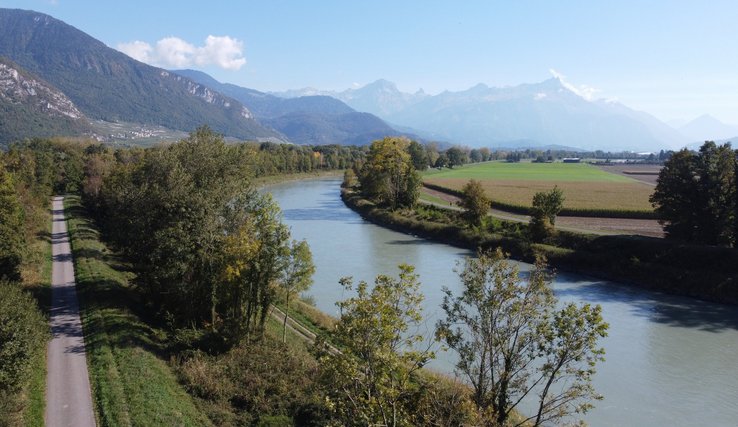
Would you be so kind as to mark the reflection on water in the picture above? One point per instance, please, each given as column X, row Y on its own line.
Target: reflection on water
column 670, row 360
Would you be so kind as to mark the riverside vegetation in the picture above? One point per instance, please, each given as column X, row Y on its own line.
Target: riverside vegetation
column 179, row 262
column 673, row 265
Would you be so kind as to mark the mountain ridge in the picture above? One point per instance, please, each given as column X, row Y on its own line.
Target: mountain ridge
column 310, row 120
column 108, row 85
column 545, row 113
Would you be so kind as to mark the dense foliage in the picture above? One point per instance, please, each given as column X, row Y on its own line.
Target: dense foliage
column 389, row 175
column 696, row 195
column 546, row 206
column 23, row 334
column 12, row 239
column 474, row 202
column 370, row 381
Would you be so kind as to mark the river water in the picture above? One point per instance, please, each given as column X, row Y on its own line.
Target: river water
column 669, row 360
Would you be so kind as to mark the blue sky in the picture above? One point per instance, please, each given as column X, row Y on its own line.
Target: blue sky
column 673, row 59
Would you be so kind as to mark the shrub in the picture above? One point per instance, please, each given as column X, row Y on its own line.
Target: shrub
column 23, row 334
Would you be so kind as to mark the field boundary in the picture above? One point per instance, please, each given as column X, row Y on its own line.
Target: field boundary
column 527, row 210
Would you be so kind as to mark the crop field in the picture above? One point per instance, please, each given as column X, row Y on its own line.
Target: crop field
column 584, row 186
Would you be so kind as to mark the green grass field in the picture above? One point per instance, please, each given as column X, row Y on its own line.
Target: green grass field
column 584, row 186
column 526, row 171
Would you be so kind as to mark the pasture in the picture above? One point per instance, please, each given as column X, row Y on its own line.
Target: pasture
column 584, row 186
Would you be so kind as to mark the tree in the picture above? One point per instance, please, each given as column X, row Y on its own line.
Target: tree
column 456, row 157
column 418, row 155
column 716, row 166
column 675, row 193
column 370, row 381
column 256, row 256
column 441, row 161
column 474, row 202
column 12, row 239
column 696, row 193
column 513, row 343
column 298, row 276
column 546, row 206
column 388, row 175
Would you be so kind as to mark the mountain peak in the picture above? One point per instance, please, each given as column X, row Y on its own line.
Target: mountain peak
column 707, row 127
column 381, row 84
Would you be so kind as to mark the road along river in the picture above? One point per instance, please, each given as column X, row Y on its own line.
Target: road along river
column 669, row 360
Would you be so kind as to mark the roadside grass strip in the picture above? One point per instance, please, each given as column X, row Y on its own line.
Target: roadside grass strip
column 131, row 381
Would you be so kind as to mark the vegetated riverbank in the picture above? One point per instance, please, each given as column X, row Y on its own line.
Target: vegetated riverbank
column 703, row 272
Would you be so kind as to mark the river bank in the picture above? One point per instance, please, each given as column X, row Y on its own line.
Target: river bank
column 706, row 273
column 669, row 359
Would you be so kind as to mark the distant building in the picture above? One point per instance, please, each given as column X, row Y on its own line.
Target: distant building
column 571, row 160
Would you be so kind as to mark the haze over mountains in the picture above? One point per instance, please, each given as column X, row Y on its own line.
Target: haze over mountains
column 57, row 80
column 527, row 115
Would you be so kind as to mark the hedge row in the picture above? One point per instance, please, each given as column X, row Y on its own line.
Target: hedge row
column 580, row 212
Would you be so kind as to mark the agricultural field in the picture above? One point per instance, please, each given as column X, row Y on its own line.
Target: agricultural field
column 585, row 186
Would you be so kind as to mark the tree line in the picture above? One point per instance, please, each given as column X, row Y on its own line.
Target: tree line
column 696, row 195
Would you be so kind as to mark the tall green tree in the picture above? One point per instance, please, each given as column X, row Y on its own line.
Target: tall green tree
column 12, row 239
column 546, row 206
column 513, row 343
column 418, row 155
column 716, row 167
column 370, row 382
column 474, row 202
column 456, row 157
column 695, row 195
column 298, row 275
column 675, row 196
column 257, row 253
column 388, row 175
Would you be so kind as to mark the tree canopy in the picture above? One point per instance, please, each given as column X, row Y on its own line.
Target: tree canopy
column 388, row 176
column 696, row 195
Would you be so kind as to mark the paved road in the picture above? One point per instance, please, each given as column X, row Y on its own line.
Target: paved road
column 68, row 397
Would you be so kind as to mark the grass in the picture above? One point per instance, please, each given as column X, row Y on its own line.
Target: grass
column 36, row 273
column 528, row 171
column 132, row 383
column 584, row 186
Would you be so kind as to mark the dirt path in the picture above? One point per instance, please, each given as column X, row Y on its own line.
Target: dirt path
column 68, row 397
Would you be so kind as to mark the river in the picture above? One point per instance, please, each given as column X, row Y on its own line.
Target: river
column 669, row 360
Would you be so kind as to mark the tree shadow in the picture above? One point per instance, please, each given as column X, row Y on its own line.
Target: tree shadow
column 657, row 307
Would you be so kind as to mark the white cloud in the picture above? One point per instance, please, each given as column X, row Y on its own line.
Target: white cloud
column 585, row 91
column 173, row 52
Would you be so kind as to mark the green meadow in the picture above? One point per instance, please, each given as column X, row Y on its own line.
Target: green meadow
column 527, row 171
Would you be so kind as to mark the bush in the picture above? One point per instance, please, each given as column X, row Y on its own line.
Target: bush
column 23, row 334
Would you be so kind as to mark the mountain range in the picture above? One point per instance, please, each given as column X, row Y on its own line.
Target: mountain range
column 57, row 80
column 106, row 86
column 305, row 119
column 527, row 115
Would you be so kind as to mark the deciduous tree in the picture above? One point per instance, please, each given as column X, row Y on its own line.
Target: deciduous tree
column 474, row 202
column 12, row 238
column 388, row 176
column 297, row 277
column 546, row 206
column 370, row 381
column 514, row 344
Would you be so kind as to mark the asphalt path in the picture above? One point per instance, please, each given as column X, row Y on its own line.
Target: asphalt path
column 68, row 397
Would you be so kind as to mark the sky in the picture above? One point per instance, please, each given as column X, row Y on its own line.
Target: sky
column 674, row 59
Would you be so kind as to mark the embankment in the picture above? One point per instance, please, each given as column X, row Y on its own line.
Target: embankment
column 703, row 272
